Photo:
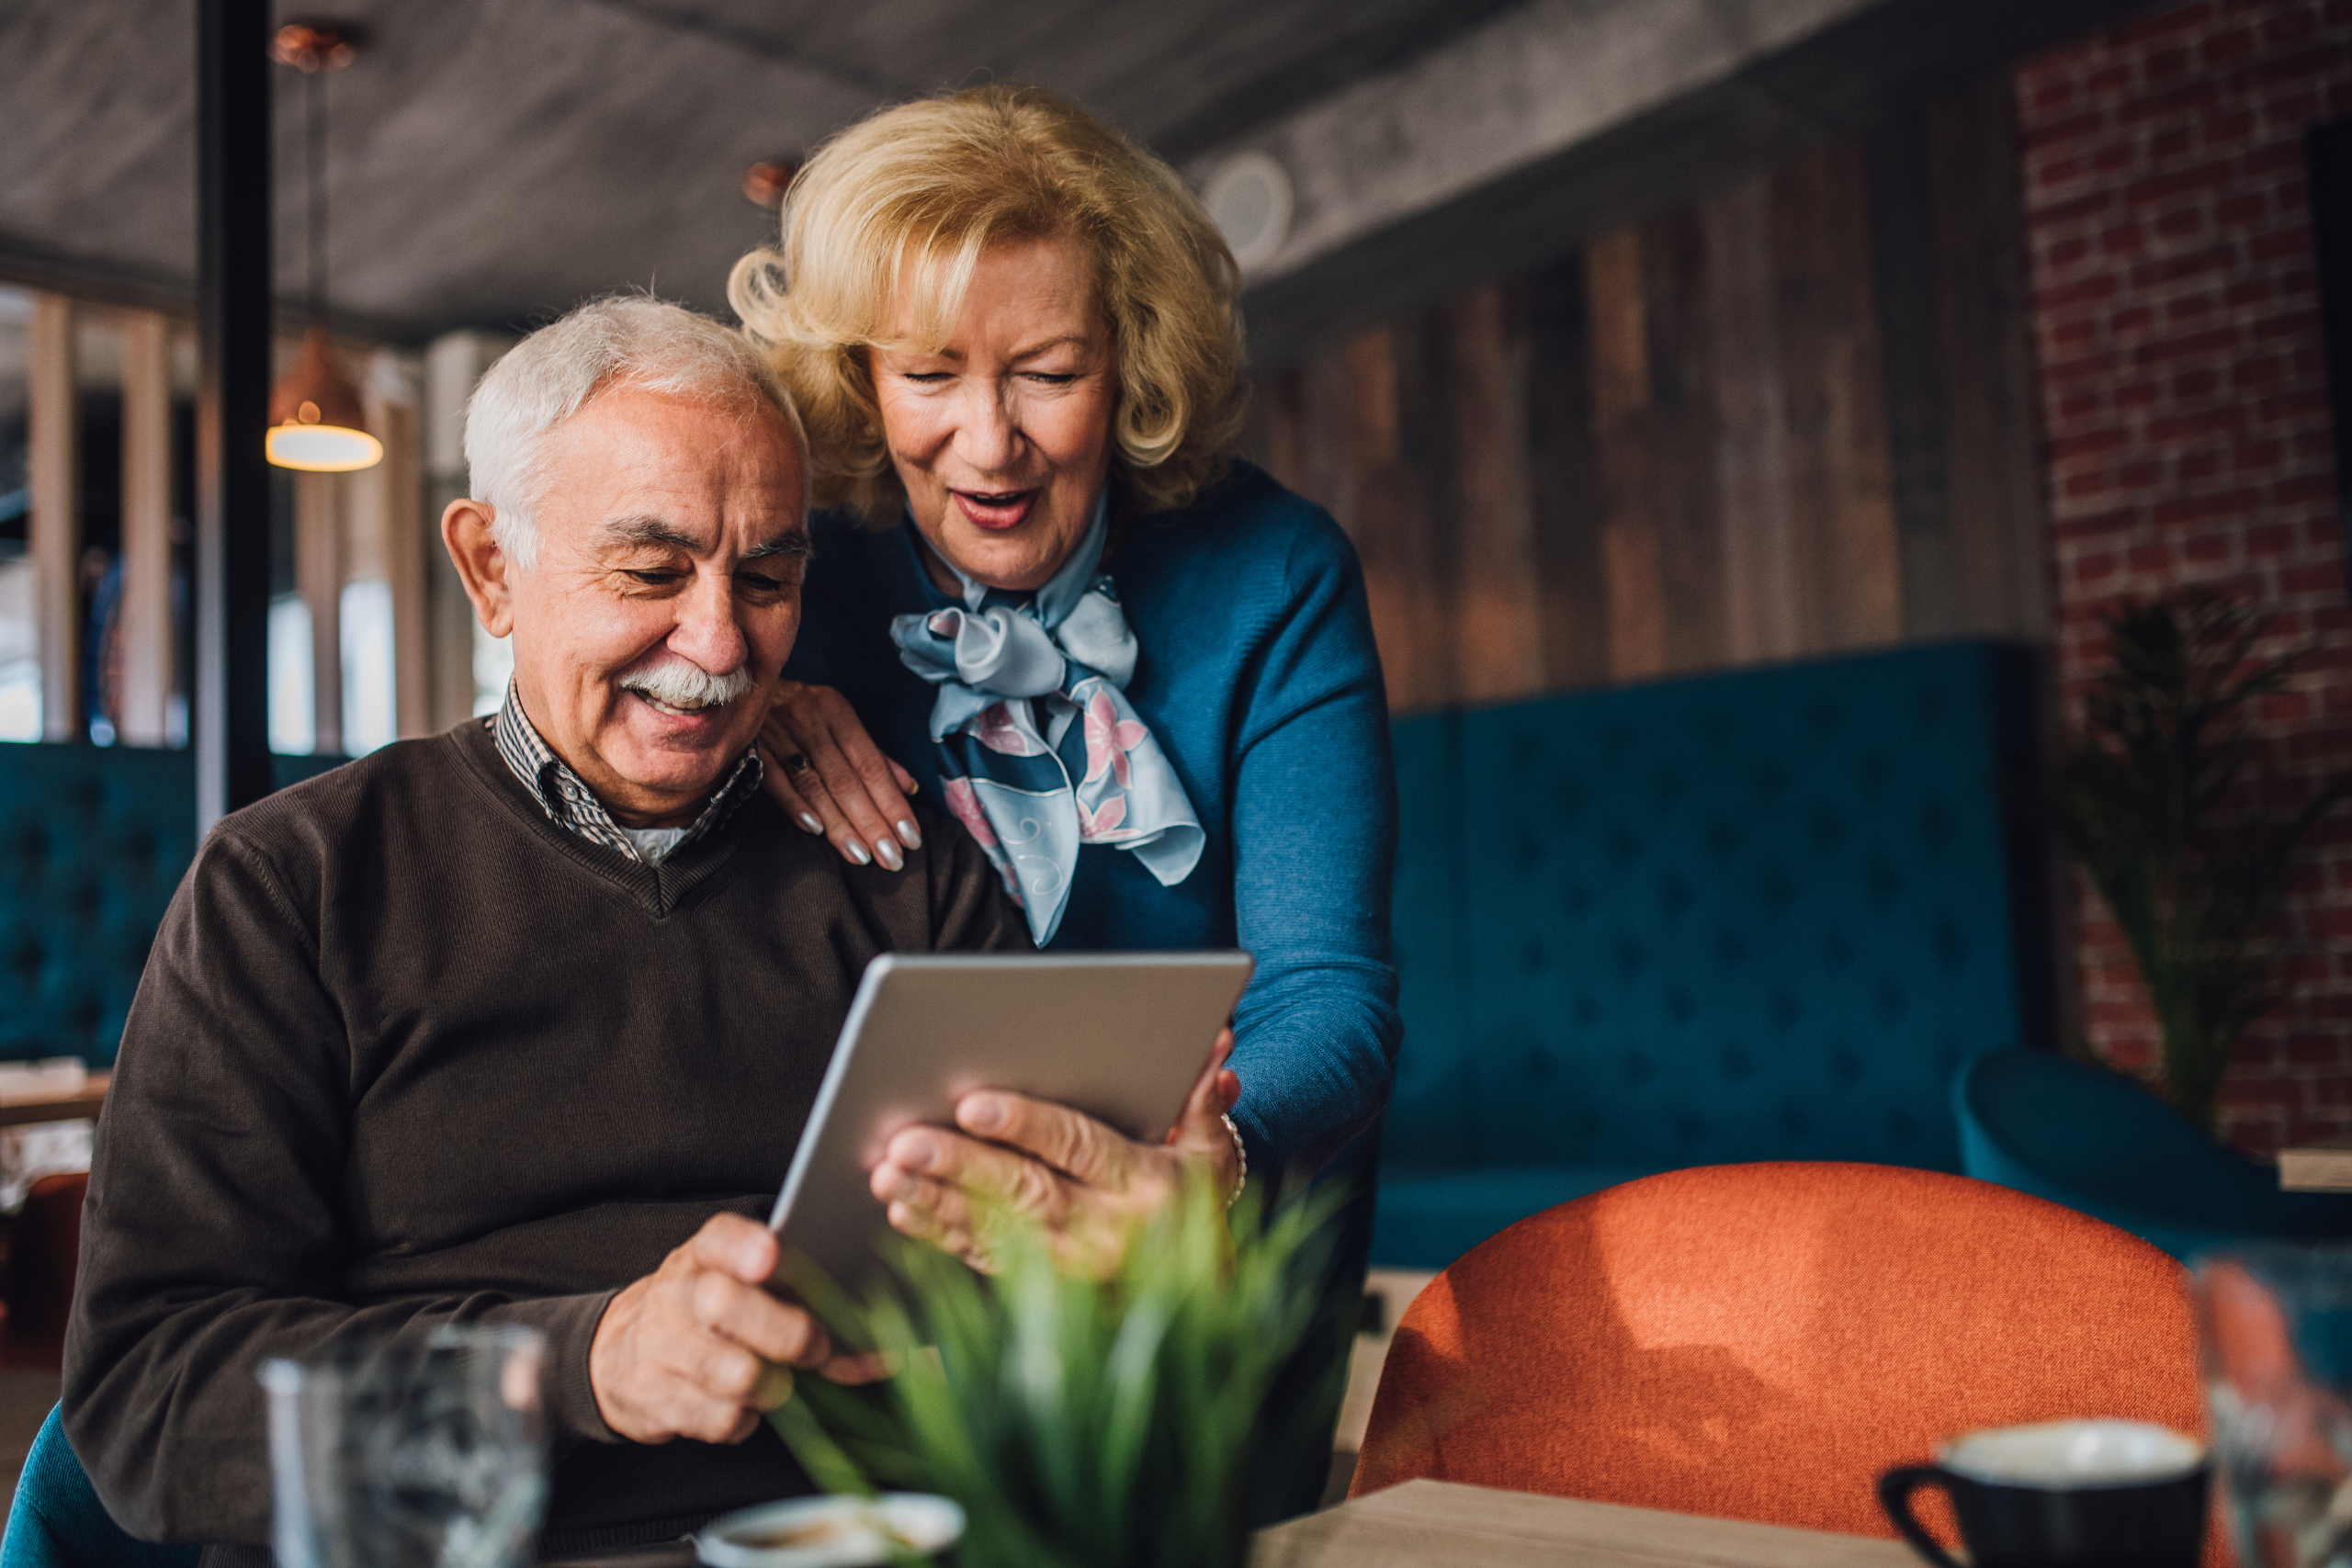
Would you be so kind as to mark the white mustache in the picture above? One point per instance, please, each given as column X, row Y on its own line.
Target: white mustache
column 675, row 682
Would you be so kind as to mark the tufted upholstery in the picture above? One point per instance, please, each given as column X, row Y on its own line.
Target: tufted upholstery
column 92, row 842
column 1759, row 1341
column 1754, row 916
column 1429, row 1117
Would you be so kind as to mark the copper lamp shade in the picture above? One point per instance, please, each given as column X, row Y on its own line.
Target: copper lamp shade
column 315, row 421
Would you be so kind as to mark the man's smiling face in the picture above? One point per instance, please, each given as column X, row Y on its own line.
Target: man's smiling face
column 649, row 632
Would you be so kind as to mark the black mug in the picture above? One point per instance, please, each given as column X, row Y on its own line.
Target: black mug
column 2063, row 1494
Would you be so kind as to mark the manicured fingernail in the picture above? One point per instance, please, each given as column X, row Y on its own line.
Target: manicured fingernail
column 919, row 1154
column 906, row 833
column 808, row 824
column 983, row 1113
column 886, row 852
column 914, row 786
column 856, row 851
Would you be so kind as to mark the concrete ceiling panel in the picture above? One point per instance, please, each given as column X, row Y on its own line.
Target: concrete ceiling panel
column 493, row 160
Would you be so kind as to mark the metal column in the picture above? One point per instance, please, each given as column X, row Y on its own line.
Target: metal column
column 231, row 721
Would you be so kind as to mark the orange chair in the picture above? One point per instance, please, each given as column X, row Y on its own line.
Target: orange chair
column 1759, row 1341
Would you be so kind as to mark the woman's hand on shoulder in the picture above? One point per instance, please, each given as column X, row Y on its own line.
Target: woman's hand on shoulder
column 830, row 778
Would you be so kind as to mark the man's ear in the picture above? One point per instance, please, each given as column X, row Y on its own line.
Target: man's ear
column 485, row 568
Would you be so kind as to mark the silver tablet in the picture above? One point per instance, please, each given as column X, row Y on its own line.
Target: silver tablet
column 1120, row 1036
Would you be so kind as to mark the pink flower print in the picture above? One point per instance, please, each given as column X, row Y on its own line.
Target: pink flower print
column 1109, row 739
column 1093, row 827
column 965, row 804
column 997, row 732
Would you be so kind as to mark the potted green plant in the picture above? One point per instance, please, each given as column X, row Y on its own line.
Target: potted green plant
column 1084, row 1418
column 2159, row 800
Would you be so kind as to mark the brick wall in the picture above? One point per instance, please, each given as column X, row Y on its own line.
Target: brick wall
column 2185, row 398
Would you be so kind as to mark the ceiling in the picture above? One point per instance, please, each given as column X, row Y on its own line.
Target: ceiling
column 493, row 160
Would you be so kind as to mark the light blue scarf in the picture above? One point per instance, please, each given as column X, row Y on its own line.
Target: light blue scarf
column 1014, row 671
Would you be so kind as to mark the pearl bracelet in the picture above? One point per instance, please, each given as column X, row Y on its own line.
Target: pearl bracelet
column 1240, row 1154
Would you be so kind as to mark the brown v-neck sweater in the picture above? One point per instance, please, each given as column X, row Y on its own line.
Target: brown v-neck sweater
column 405, row 1051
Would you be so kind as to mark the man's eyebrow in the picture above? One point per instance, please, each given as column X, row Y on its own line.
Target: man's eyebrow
column 650, row 531
column 792, row 544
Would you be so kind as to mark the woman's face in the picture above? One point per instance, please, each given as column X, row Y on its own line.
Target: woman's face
column 1002, row 438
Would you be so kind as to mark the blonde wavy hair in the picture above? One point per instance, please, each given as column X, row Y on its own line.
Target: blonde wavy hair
column 917, row 192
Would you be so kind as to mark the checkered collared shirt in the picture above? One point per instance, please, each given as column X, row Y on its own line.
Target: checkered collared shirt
column 570, row 803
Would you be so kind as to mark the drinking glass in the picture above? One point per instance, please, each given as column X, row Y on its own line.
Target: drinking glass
column 421, row 1450
column 2275, row 1324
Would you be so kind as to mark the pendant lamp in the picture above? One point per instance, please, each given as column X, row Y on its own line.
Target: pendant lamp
column 315, row 418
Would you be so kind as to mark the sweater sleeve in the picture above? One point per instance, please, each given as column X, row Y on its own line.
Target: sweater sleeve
column 1314, row 817
column 210, row 1239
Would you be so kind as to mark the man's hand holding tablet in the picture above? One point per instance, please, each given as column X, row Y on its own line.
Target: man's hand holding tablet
column 699, row 1347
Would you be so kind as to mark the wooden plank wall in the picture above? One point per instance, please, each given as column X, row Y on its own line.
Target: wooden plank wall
column 1793, row 417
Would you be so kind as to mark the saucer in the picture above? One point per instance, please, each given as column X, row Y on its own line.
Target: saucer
column 830, row 1532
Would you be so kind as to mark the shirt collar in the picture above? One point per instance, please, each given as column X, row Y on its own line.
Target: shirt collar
column 570, row 803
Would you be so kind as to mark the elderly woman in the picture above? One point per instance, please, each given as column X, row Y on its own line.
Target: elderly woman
column 1139, row 672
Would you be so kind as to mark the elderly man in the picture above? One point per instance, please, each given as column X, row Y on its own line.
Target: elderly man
column 519, row 1024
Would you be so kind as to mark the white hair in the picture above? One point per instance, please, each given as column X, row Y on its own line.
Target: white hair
column 627, row 340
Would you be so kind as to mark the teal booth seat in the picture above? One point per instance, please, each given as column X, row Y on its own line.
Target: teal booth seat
column 57, row 1521
column 92, row 840
column 1756, row 916
column 2094, row 1140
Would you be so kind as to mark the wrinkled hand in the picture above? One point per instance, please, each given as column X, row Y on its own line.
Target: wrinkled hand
column 847, row 790
column 699, row 1349
column 1089, row 1186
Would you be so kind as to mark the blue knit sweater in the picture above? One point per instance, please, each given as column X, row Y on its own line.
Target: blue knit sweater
column 1259, row 679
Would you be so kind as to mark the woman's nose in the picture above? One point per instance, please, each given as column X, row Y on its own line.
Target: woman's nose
column 989, row 435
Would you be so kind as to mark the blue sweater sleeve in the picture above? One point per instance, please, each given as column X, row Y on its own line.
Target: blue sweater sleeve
column 1314, row 822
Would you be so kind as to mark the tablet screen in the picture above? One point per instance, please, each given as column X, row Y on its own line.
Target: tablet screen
column 1121, row 1036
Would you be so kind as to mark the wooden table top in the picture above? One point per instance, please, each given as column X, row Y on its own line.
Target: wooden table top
column 2318, row 1168
column 1436, row 1524
column 84, row 1102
